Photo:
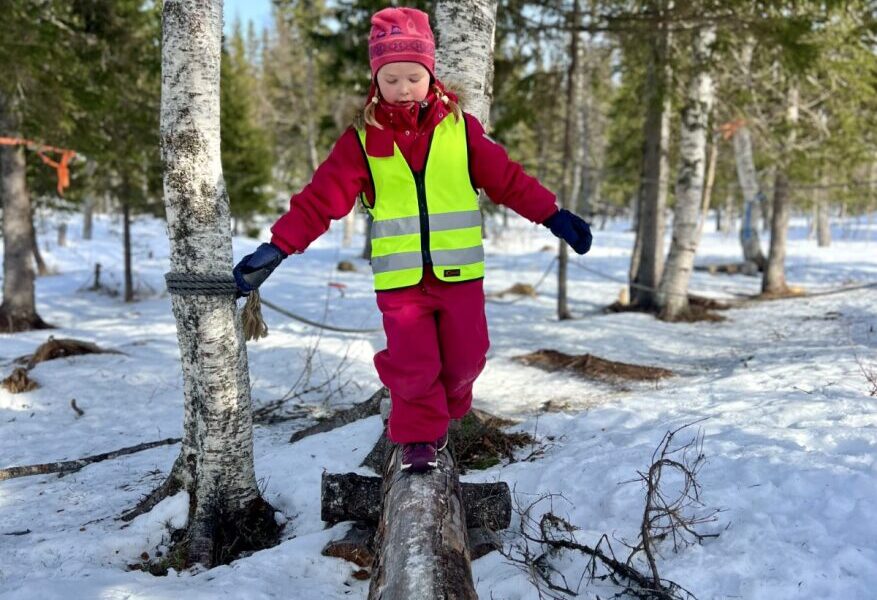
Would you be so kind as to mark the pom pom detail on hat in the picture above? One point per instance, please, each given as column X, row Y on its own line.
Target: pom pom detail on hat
column 401, row 35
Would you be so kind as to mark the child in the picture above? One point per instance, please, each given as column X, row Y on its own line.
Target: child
column 417, row 161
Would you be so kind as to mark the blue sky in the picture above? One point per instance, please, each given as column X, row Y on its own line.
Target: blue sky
column 257, row 11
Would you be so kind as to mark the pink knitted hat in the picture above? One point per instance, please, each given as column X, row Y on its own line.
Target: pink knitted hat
column 401, row 35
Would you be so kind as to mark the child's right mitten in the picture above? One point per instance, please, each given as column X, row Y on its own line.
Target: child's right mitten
column 254, row 269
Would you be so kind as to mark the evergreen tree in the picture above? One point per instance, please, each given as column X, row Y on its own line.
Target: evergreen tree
column 246, row 152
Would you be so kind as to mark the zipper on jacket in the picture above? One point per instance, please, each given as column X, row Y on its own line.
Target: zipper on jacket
column 419, row 183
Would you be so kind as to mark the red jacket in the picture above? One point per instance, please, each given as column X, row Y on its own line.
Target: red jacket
column 340, row 179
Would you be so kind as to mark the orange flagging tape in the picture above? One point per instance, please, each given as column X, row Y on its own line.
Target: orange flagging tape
column 61, row 167
column 730, row 128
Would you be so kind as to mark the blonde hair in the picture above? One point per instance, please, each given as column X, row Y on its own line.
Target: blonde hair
column 368, row 113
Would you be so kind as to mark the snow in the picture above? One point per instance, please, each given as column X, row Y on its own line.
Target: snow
column 789, row 431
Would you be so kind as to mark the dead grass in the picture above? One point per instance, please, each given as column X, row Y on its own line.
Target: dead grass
column 518, row 289
column 61, row 348
column 589, row 366
column 789, row 292
column 19, row 382
column 480, row 443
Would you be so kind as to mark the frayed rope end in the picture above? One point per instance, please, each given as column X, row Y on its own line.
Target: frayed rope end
column 251, row 316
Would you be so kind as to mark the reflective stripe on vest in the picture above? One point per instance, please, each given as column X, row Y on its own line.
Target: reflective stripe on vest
column 448, row 207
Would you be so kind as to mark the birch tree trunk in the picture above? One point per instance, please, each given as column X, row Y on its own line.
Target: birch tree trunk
column 728, row 218
column 42, row 268
column 18, row 311
column 349, row 228
column 465, row 31
column 647, row 261
column 226, row 513
column 673, row 291
column 774, row 279
column 748, row 179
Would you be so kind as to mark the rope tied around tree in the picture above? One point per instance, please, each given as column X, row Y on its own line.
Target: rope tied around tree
column 196, row 284
column 61, row 167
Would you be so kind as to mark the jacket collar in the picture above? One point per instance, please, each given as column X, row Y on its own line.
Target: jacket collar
column 396, row 119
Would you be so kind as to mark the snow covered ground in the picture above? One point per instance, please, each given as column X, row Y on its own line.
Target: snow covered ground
column 790, row 432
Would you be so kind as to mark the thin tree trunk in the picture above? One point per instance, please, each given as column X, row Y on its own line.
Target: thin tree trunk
column 673, row 292
column 42, row 269
column 872, row 196
column 728, row 214
column 570, row 177
column 18, row 310
column 349, row 228
column 774, row 280
column 648, row 258
column 310, row 121
column 823, row 223
column 752, row 197
column 87, row 217
column 226, row 513
column 126, row 243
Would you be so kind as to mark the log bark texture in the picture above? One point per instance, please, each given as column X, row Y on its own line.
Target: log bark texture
column 422, row 541
column 352, row 497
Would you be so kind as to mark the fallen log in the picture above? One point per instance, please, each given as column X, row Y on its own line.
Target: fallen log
column 352, row 497
column 421, row 548
column 70, row 466
column 370, row 407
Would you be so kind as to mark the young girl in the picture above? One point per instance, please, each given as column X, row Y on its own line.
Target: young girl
column 417, row 161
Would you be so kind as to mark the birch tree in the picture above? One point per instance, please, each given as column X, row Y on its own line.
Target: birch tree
column 673, row 290
column 752, row 196
column 465, row 31
column 215, row 466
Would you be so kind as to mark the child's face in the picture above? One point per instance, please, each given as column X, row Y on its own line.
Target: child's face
column 403, row 82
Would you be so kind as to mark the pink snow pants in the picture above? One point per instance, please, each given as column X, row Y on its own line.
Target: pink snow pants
column 436, row 348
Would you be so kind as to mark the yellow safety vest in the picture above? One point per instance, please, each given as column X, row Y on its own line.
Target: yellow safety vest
column 430, row 216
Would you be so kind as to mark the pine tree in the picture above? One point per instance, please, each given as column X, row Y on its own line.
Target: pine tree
column 247, row 158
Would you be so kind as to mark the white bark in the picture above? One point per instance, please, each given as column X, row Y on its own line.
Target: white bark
column 823, row 223
column 349, row 228
column 217, row 448
column 465, row 31
column 673, row 290
column 748, row 179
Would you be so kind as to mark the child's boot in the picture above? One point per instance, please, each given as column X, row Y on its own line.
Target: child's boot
column 421, row 457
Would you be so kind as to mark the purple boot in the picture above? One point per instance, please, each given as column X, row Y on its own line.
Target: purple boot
column 423, row 456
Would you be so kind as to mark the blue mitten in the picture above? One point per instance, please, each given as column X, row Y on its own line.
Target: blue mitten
column 572, row 229
column 254, row 269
